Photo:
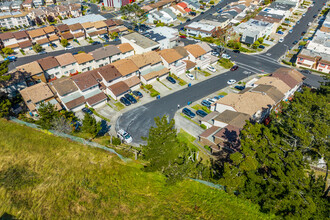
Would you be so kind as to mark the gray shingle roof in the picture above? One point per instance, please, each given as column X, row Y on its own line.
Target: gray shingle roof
column 104, row 52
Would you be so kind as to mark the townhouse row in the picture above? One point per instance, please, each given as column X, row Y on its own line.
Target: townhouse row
column 108, row 71
column 54, row 34
column 261, row 96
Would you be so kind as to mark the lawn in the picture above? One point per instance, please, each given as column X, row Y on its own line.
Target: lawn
column 185, row 137
column 181, row 81
column 223, row 93
column 200, row 107
column 119, row 106
column 47, row 177
column 225, row 63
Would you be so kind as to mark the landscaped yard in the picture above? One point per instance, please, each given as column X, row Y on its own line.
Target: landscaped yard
column 181, row 81
column 185, row 137
column 200, row 107
column 225, row 63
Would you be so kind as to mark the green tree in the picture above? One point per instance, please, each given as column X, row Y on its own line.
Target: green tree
column 255, row 45
column 90, row 125
column 37, row 48
column 61, row 124
column 47, row 113
column 7, row 51
column 5, row 106
column 273, row 166
column 260, row 40
column 164, row 151
column 4, row 70
column 64, row 42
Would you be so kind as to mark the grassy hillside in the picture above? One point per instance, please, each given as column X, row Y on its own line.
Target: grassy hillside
column 42, row 176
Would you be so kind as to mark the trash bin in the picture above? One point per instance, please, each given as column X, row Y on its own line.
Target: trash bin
column 189, row 103
column 158, row 97
column 189, row 84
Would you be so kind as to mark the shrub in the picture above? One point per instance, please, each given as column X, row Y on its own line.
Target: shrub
column 116, row 141
column 287, row 62
column 203, row 126
column 154, row 94
column 207, row 148
column 211, row 2
column 148, row 86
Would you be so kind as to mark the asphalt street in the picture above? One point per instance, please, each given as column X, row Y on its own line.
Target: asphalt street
column 28, row 59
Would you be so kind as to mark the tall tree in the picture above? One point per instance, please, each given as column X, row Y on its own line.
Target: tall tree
column 47, row 113
column 90, row 125
column 5, row 106
column 4, row 70
column 273, row 166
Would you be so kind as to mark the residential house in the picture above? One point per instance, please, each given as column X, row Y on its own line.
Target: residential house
column 192, row 4
column 37, row 34
column 254, row 29
column 110, row 75
column 275, row 82
column 38, row 3
column 165, row 16
column 39, row 93
column 25, row 45
column 126, row 50
column 105, row 55
column 21, row 36
column 27, row 4
column 178, row 10
column 90, row 31
column 198, row 55
column 35, row 72
column 118, row 90
column 49, row 30
column 320, row 42
column 200, row 29
column 14, row 19
column 54, row 39
column 16, row 6
column 150, row 67
column 8, row 40
column 220, row 22
column 167, row 37
column 88, row 85
column 181, row 8
column 127, row 68
column 140, row 43
column 291, row 77
column 313, row 60
column 257, row 105
column 51, row 67
column 85, row 62
column 78, row 31
column 75, row 10
column 67, row 63
column 6, row 6
column 173, row 61
column 101, row 28
column 16, row 83
column 64, row 31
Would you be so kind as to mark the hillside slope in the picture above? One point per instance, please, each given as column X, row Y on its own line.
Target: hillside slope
column 42, row 176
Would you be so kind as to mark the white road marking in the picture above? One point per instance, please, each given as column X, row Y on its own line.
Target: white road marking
column 250, row 68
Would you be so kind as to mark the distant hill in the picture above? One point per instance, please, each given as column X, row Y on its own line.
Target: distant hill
column 42, row 176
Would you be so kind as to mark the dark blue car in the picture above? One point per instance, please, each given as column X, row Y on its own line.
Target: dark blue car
column 171, row 80
column 125, row 101
column 206, row 103
column 201, row 113
column 130, row 98
column 218, row 97
column 240, row 87
column 137, row 94
column 188, row 112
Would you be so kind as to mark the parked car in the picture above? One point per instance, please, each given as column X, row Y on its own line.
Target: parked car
column 68, row 47
column 188, row 20
column 225, row 56
column 11, row 58
column 211, row 100
column 314, row 16
column 206, row 103
column 54, row 45
column 304, row 15
column 280, row 32
column 290, row 31
column 182, row 36
column 42, row 52
column 124, row 136
column 211, row 68
column 231, row 81
column 303, row 33
column 234, row 68
column 201, row 113
column 215, row 54
column 137, row 94
column 295, row 42
column 95, row 43
column 240, row 87
column 218, row 97
column 188, row 112
column 298, row 22
column 124, row 101
column 236, row 51
column 171, row 80
column 261, row 46
column 190, row 76
column 280, row 40
column 87, row 110
column 306, row 71
column 130, row 98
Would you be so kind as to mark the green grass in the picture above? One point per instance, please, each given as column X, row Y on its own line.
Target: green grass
column 222, row 93
column 205, row 73
column 185, row 137
column 119, row 106
column 225, row 63
column 200, row 107
column 181, row 81
column 47, row 177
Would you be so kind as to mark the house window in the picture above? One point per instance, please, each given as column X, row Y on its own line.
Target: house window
column 322, row 65
column 66, row 72
column 101, row 65
column 72, row 71
column 301, row 59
